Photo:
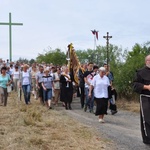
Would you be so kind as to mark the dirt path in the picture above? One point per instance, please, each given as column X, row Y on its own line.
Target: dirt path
column 123, row 128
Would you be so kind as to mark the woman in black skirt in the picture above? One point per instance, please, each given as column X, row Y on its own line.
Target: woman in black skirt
column 100, row 84
column 66, row 90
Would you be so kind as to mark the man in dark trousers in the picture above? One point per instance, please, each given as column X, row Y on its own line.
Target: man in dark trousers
column 112, row 104
column 141, row 85
column 82, row 69
column 88, row 77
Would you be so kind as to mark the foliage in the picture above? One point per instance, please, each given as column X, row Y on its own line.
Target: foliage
column 99, row 56
column 31, row 61
column 126, row 71
column 26, row 61
column 53, row 56
column 23, row 60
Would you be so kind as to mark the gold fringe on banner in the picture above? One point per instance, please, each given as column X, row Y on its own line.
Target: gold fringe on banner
column 74, row 63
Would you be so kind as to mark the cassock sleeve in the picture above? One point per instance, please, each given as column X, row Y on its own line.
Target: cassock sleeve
column 137, row 83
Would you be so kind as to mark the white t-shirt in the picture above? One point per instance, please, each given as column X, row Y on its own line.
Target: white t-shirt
column 15, row 74
column 12, row 70
column 25, row 76
column 100, row 86
column 89, row 76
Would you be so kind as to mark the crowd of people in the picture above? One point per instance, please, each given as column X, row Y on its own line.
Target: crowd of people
column 46, row 82
column 50, row 84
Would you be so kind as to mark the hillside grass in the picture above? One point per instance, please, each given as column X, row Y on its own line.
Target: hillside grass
column 133, row 106
column 34, row 127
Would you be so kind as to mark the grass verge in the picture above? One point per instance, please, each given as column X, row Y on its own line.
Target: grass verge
column 132, row 106
column 34, row 127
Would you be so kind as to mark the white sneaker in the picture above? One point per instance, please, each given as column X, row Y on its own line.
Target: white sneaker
column 101, row 120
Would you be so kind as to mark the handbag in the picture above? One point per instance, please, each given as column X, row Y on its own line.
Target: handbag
column 109, row 92
column 9, row 88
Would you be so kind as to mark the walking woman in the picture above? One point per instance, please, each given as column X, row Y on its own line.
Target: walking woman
column 39, row 80
column 47, row 85
column 66, row 88
column 56, row 77
column 101, row 85
column 15, row 77
column 25, row 82
column 4, row 82
column 34, row 87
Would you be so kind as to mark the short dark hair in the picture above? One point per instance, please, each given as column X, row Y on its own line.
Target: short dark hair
column 90, row 63
column 16, row 67
column 95, row 67
column 3, row 68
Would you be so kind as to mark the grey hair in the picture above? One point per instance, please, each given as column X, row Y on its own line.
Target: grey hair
column 102, row 69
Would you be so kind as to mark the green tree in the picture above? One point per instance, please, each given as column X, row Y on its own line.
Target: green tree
column 31, row 61
column 126, row 71
column 23, row 60
column 56, row 57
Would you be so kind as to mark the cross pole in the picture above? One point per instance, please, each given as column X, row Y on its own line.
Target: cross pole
column 10, row 34
column 107, row 44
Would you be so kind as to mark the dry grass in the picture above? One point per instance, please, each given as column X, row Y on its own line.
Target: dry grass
column 132, row 106
column 33, row 127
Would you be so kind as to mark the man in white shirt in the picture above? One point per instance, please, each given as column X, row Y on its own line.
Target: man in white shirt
column 88, row 77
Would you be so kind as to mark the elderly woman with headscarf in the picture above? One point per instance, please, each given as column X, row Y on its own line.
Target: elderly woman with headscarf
column 100, row 84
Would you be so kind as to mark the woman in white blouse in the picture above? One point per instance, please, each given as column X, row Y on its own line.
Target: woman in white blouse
column 25, row 82
column 100, row 84
column 16, row 76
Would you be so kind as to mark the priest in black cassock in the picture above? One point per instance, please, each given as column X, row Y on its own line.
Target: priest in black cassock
column 141, row 85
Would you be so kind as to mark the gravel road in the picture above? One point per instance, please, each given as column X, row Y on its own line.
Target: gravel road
column 122, row 128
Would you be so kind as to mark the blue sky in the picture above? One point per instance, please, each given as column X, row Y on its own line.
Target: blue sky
column 56, row 23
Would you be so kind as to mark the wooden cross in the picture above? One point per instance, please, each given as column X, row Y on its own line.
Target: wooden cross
column 10, row 34
column 107, row 44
